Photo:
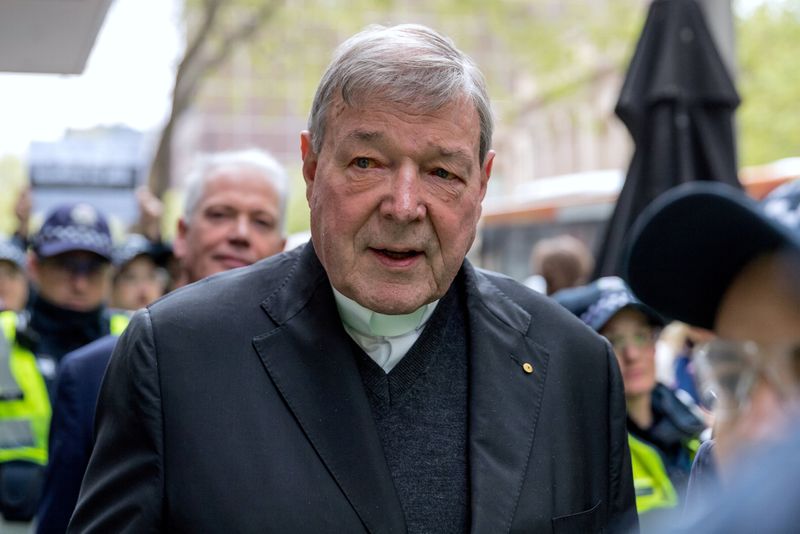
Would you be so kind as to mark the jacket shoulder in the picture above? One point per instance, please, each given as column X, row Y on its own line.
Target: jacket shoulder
column 545, row 313
column 230, row 291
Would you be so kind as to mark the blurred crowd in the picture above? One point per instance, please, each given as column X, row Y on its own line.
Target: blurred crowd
column 705, row 329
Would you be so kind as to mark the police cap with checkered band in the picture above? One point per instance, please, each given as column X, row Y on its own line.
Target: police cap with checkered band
column 73, row 227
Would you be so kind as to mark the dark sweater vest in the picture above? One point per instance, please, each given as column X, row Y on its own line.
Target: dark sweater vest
column 420, row 411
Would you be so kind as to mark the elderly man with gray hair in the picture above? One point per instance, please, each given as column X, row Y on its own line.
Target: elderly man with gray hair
column 233, row 215
column 372, row 380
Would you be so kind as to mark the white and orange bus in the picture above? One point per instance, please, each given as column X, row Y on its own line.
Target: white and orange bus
column 577, row 204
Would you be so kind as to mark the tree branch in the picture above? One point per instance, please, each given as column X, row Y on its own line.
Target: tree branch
column 240, row 34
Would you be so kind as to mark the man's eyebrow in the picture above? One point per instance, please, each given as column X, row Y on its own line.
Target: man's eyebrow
column 364, row 135
column 230, row 207
column 457, row 155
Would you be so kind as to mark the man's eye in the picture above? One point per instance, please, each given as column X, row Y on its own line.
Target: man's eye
column 444, row 174
column 216, row 214
column 363, row 163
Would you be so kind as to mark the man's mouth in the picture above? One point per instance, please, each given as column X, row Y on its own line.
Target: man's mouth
column 398, row 254
column 397, row 258
column 233, row 261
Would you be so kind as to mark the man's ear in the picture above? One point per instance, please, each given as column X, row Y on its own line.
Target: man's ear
column 179, row 241
column 486, row 172
column 309, row 162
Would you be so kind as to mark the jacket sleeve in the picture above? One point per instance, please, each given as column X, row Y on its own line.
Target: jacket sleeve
column 622, row 506
column 67, row 456
column 122, row 490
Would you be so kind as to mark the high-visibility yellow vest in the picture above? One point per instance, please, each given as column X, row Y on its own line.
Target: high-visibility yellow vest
column 654, row 490
column 119, row 321
column 25, row 420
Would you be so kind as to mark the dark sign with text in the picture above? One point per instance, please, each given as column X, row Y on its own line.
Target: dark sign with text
column 65, row 175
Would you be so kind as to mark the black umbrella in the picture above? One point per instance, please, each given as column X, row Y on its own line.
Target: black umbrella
column 677, row 102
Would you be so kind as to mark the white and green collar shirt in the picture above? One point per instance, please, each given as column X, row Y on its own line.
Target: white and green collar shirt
column 385, row 338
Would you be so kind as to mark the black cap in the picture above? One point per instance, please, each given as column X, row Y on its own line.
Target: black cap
column 596, row 303
column 689, row 244
column 73, row 227
column 135, row 245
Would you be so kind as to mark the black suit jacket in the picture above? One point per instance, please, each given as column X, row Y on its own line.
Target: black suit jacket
column 235, row 405
column 70, row 441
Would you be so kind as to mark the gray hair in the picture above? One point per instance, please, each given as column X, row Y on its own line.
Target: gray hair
column 272, row 171
column 407, row 64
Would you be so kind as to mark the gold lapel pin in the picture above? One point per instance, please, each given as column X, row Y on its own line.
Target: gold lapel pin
column 528, row 368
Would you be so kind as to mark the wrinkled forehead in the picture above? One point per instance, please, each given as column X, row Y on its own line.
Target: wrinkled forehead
column 238, row 182
column 368, row 109
column 417, row 97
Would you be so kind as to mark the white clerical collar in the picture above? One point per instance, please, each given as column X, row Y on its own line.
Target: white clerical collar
column 371, row 323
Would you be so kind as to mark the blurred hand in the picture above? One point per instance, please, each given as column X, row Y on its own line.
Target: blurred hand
column 22, row 211
column 698, row 335
column 150, row 211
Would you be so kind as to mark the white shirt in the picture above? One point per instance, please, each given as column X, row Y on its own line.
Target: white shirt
column 385, row 338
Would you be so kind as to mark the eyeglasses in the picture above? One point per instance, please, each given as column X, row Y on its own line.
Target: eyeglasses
column 639, row 339
column 72, row 266
column 728, row 371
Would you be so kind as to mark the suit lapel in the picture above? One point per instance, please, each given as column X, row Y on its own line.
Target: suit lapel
column 309, row 359
column 505, row 399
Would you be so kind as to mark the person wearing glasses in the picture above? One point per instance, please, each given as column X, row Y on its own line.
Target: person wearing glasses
column 742, row 282
column 70, row 271
column 663, row 426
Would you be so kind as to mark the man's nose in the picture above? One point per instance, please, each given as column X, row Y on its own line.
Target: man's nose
column 80, row 281
column 241, row 227
column 632, row 350
column 405, row 202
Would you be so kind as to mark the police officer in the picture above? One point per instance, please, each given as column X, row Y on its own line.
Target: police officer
column 69, row 268
column 13, row 276
column 663, row 429
column 138, row 278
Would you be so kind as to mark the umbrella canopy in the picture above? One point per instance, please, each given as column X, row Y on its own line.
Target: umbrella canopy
column 677, row 102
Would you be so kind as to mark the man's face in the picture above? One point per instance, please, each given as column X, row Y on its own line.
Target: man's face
column 762, row 306
column 633, row 340
column 137, row 284
column 13, row 286
column 76, row 280
column 395, row 198
column 236, row 223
